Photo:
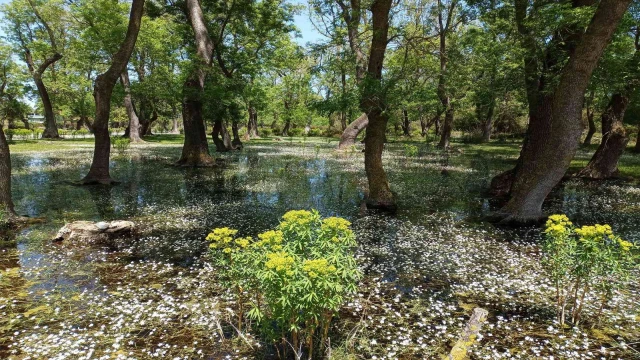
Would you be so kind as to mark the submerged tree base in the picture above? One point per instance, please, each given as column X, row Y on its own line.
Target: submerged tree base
column 197, row 160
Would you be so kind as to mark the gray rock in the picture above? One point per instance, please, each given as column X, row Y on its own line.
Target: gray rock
column 90, row 233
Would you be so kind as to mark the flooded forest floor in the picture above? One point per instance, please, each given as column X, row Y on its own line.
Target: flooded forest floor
column 426, row 267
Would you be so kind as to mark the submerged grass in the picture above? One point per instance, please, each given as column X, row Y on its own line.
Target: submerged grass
column 427, row 266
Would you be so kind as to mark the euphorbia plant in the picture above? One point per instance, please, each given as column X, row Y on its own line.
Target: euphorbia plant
column 580, row 260
column 295, row 277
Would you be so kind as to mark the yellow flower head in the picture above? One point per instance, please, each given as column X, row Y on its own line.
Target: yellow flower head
column 317, row 267
column 298, row 217
column 280, row 261
column 558, row 219
column 220, row 237
column 594, row 232
column 625, row 245
column 270, row 238
column 335, row 224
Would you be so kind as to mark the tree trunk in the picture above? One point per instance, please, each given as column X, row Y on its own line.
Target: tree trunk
column 105, row 82
column 221, row 138
column 487, row 125
column 591, row 121
column 554, row 136
column 637, row 147
column 195, row 151
column 252, row 124
column 423, row 126
column 174, row 129
column 6, row 204
column 445, row 137
column 50, row 126
column 285, row 129
column 406, row 124
column 236, row 143
column 133, row 130
column 350, row 134
column 380, row 195
column 604, row 163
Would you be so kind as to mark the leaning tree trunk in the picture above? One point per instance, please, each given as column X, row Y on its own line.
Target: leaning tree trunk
column 133, row 131
column 6, row 204
column 50, row 126
column 604, row 163
column 103, row 88
column 221, row 138
column 350, row 134
column 372, row 103
column 550, row 147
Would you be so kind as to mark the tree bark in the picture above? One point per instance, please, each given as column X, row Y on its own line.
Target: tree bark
column 236, row 143
column 406, row 124
column 445, row 137
column 105, row 82
column 604, row 163
column 487, row 125
column 6, row 204
column 637, row 147
column 50, row 125
column 371, row 103
column 252, row 124
column 195, row 151
column 590, row 120
column 133, row 131
column 350, row 134
column 556, row 125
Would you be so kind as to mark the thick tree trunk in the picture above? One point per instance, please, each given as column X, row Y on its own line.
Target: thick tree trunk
column 604, row 163
column 554, row 137
column 105, row 82
column 50, row 126
column 350, row 134
column 380, row 195
column 195, row 151
column 6, row 204
column 133, row 130
column 406, row 124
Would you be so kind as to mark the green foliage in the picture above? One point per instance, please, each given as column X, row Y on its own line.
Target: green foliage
column 294, row 278
column 580, row 260
column 120, row 144
column 410, row 150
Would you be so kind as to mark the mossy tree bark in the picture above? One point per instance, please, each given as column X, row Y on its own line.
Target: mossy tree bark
column 373, row 104
column 103, row 88
column 556, row 125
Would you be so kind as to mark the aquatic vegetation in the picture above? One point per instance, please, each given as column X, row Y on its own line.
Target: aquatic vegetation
column 584, row 259
column 295, row 277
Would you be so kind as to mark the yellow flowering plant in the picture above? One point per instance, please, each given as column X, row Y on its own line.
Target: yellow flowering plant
column 587, row 259
column 294, row 278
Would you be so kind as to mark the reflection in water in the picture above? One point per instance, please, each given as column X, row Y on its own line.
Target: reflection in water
column 256, row 186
